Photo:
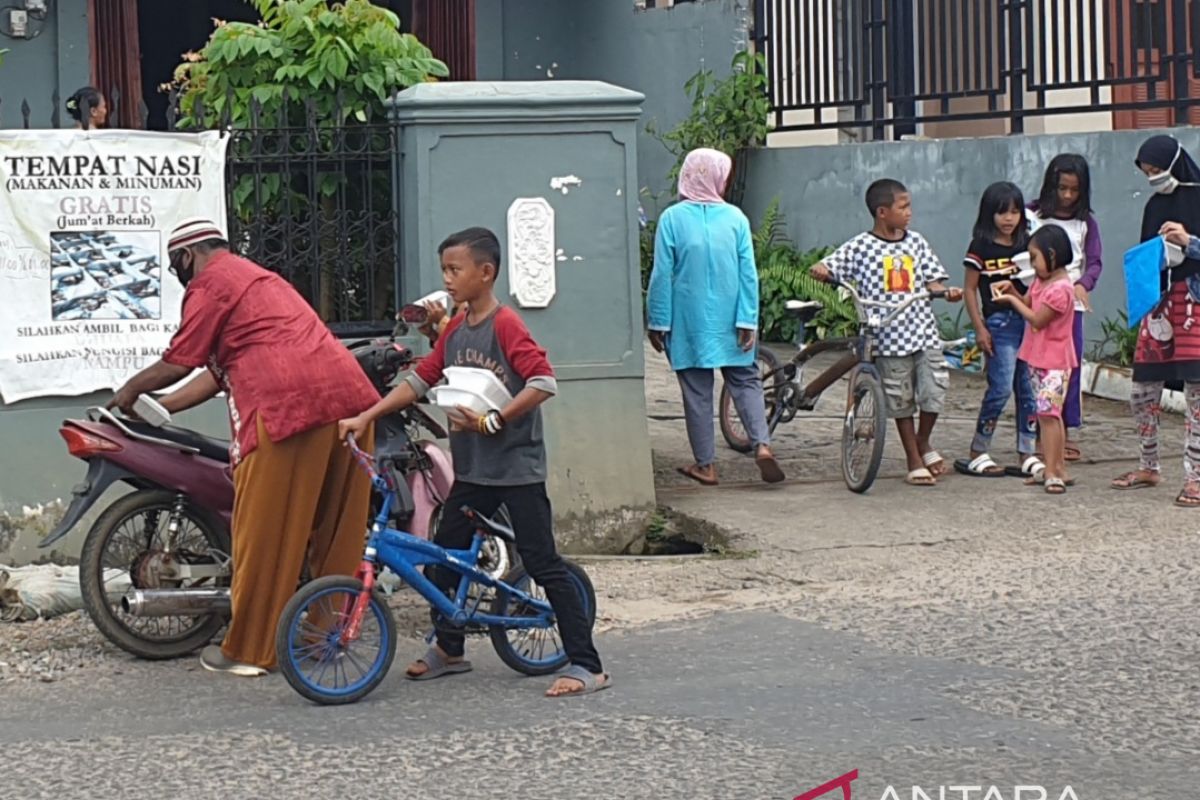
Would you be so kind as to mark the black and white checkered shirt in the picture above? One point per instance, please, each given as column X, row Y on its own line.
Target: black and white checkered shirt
column 889, row 272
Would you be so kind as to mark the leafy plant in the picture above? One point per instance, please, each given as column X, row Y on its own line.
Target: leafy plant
column 783, row 274
column 346, row 58
column 951, row 328
column 729, row 114
column 310, row 79
column 1118, row 343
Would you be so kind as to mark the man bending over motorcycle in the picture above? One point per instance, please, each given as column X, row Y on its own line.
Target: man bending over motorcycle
column 288, row 381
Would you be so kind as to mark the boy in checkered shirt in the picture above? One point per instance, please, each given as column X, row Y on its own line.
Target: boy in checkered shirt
column 887, row 264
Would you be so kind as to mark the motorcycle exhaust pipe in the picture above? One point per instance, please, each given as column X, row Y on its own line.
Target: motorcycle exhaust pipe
column 175, row 602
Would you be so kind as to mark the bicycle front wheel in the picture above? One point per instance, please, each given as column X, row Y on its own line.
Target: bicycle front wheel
column 731, row 423
column 863, row 430
column 312, row 650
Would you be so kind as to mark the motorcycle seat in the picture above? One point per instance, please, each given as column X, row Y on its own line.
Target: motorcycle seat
column 209, row 446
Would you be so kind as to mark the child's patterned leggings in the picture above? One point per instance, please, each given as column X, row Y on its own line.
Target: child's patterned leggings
column 1146, row 402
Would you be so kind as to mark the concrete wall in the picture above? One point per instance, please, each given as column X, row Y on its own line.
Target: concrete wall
column 653, row 51
column 821, row 191
column 57, row 59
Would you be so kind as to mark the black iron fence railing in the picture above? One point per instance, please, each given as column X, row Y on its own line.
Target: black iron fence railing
column 886, row 66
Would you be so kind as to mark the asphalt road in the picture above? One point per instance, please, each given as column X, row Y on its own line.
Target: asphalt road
column 753, row 705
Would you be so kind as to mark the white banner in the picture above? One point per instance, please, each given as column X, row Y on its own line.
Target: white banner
column 85, row 296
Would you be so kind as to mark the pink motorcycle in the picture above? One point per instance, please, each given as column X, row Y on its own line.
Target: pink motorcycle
column 155, row 567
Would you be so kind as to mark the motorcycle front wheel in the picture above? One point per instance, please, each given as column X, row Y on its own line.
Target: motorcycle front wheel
column 127, row 547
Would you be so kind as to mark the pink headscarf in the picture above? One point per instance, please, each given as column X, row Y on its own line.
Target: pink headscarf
column 703, row 176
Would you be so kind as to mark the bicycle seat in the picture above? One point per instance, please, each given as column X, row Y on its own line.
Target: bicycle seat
column 209, row 446
column 488, row 525
column 803, row 308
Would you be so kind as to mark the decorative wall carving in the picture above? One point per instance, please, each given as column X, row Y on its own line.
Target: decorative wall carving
column 531, row 254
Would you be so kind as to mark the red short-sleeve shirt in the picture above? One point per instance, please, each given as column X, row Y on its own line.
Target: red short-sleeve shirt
column 271, row 353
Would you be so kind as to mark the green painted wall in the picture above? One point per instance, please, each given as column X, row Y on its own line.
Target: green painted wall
column 56, row 60
column 821, row 192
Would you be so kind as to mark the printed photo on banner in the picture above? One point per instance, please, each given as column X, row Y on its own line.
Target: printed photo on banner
column 85, row 299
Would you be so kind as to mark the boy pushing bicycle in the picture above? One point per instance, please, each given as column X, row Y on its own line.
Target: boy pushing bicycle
column 886, row 264
column 499, row 457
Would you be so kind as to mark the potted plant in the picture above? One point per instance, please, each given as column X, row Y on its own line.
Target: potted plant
column 1108, row 372
column 729, row 114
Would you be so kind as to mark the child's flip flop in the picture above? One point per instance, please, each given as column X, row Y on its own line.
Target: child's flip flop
column 591, row 683
column 982, row 466
column 1029, row 467
column 436, row 666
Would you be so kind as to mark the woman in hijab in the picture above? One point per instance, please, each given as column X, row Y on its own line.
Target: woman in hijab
column 703, row 309
column 1168, row 347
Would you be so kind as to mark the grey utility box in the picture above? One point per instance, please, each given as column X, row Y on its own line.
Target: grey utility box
column 551, row 167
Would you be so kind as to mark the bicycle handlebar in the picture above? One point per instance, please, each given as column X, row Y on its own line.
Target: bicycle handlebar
column 894, row 307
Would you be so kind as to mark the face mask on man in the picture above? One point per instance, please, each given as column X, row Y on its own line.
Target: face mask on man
column 184, row 272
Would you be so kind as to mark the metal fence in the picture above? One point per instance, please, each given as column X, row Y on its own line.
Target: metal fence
column 309, row 196
column 886, row 66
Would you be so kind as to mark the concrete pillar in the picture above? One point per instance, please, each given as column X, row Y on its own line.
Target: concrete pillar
column 551, row 167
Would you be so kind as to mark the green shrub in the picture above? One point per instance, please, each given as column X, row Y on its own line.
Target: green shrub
column 783, row 274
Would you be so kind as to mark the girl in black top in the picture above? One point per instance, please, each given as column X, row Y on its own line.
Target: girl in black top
column 1001, row 232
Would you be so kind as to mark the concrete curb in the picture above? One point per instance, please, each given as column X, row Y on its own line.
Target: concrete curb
column 1111, row 382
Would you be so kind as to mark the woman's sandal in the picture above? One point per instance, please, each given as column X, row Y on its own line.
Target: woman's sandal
column 1132, row 480
column 1056, row 486
column 699, row 474
column 1071, row 452
column 1190, row 496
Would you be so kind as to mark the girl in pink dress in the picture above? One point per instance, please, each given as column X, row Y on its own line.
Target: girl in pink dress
column 1048, row 346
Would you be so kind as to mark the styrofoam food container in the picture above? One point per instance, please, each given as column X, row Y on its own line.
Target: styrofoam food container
column 478, row 381
column 151, row 411
column 450, row 398
column 1174, row 253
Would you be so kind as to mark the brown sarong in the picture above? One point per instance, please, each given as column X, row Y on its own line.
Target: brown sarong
column 304, row 496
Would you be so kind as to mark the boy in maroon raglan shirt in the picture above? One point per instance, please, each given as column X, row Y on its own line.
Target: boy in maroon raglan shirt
column 499, row 457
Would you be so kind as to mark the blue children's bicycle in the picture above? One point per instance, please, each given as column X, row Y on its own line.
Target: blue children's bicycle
column 336, row 638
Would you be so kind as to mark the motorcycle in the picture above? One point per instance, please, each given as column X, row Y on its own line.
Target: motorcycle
column 155, row 567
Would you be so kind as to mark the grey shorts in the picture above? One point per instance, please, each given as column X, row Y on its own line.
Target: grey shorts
column 913, row 382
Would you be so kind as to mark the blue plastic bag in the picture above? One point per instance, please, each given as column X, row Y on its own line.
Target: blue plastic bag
column 1143, row 278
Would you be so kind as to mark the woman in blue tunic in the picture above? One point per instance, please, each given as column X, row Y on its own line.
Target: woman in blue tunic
column 703, row 309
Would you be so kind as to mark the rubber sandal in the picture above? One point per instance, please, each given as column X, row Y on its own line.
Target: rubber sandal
column 693, row 472
column 1071, row 453
column 1029, row 467
column 591, row 683
column 1055, row 486
column 436, row 666
column 1131, row 480
column 934, row 462
column 1040, row 479
column 979, row 467
column 769, row 468
column 920, row 477
column 1189, row 499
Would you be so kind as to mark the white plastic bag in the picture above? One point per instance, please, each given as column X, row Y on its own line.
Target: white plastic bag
column 45, row 590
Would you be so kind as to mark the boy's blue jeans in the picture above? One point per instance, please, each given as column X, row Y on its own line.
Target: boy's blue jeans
column 1006, row 375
